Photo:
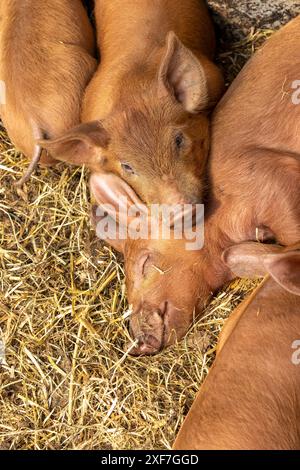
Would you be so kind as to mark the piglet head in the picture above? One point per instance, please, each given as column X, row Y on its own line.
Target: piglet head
column 162, row 276
column 163, row 289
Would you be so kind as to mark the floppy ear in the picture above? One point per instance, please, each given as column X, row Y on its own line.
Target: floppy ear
column 247, row 259
column 285, row 270
column 81, row 145
column 182, row 75
column 118, row 202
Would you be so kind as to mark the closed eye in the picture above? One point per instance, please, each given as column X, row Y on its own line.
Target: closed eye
column 179, row 141
column 144, row 263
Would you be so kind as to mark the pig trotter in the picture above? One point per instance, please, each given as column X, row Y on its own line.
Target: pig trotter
column 31, row 168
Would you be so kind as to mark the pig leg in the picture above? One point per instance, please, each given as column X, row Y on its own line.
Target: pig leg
column 31, row 168
column 38, row 157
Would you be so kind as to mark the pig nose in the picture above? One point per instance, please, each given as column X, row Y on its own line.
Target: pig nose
column 147, row 345
column 153, row 328
column 172, row 194
column 147, row 328
column 173, row 199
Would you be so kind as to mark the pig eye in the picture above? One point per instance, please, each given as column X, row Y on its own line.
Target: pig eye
column 179, row 141
column 128, row 168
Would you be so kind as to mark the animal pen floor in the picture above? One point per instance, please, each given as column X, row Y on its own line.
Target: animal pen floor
column 65, row 382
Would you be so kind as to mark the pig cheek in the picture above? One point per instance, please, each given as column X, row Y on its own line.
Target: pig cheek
column 111, row 164
column 182, row 310
column 177, row 324
column 137, row 289
column 200, row 153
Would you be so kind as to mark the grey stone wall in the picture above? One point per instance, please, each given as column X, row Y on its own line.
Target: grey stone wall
column 236, row 17
column 242, row 26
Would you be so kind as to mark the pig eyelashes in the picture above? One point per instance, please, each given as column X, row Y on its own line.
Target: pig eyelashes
column 179, row 141
column 144, row 263
column 182, row 143
column 127, row 168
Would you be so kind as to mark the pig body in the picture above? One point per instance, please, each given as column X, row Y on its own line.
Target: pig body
column 250, row 399
column 254, row 176
column 146, row 110
column 46, row 62
column 254, row 167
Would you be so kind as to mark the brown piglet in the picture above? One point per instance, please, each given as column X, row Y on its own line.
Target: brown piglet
column 254, row 175
column 250, row 399
column 46, row 62
column 146, row 110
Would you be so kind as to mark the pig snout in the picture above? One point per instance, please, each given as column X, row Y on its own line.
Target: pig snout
column 171, row 195
column 154, row 328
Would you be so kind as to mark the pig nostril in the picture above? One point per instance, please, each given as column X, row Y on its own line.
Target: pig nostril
column 149, row 342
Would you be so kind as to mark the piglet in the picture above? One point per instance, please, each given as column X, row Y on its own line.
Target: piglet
column 46, row 62
column 250, row 399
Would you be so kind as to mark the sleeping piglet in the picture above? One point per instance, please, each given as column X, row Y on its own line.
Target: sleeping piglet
column 46, row 62
column 146, row 110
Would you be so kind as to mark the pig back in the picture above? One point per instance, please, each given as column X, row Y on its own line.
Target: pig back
column 46, row 61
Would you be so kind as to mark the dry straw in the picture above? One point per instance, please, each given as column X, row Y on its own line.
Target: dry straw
column 65, row 382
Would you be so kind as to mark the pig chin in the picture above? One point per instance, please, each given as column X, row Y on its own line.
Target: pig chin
column 154, row 328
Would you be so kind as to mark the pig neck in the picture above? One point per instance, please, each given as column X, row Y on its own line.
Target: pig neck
column 134, row 28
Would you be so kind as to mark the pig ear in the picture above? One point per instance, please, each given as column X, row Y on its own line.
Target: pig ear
column 108, row 189
column 285, row 270
column 247, row 259
column 81, row 145
column 117, row 198
column 183, row 76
